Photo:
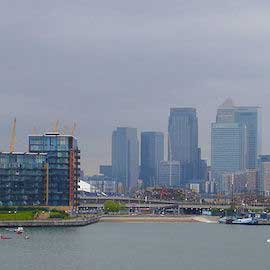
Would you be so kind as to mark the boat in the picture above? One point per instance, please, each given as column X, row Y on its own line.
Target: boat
column 19, row 230
column 2, row 237
column 226, row 220
column 245, row 221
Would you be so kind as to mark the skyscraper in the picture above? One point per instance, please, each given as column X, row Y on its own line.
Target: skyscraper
column 152, row 152
column 247, row 116
column 183, row 141
column 125, row 156
column 235, row 139
column 228, row 148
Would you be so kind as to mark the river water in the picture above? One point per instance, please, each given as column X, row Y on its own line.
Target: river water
column 127, row 246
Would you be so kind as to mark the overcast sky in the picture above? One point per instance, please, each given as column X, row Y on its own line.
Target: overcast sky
column 125, row 63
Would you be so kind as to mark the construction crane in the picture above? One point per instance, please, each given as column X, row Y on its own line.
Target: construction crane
column 34, row 131
column 73, row 129
column 56, row 126
column 13, row 137
column 63, row 131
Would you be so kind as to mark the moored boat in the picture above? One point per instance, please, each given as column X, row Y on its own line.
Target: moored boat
column 245, row 221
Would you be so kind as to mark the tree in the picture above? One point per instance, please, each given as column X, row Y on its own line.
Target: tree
column 111, row 206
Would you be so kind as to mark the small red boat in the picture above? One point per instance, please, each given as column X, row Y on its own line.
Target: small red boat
column 4, row 237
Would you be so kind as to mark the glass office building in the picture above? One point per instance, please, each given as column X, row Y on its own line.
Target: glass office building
column 152, row 152
column 125, row 157
column 248, row 116
column 183, row 141
column 63, row 158
column 23, row 178
column 228, row 148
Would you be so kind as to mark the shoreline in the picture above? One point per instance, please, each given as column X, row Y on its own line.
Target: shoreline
column 159, row 219
column 49, row 223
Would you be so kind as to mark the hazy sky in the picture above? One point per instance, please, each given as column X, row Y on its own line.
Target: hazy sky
column 125, row 63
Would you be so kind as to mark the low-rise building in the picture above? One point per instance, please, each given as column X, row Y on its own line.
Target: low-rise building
column 23, row 179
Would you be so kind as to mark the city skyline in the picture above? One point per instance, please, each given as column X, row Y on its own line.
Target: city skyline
column 107, row 157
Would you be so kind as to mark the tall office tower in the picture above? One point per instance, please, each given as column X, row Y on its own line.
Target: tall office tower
column 125, row 156
column 235, row 139
column 183, row 141
column 228, row 149
column 63, row 157
column 169, row 174
column 152, row 152
column 264, row 175
column 248, row 116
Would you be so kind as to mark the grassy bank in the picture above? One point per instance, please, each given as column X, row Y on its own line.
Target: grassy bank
column 7, row 214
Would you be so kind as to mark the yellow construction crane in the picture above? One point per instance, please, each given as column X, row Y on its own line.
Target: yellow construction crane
column 13, row 137
column 73, row 129
column 34, row 131
column 64, row 129
column 56, row 126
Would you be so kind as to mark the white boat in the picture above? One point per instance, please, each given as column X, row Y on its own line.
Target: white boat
column 245, row 221
column 19, row 230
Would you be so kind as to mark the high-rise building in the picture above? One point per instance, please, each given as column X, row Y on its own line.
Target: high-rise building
column 228, row 149
column 169, row 174
column 125, row 156
column 264, row 175
column 183, row 141
column 152, row 152
column 63, row 157
column 235, row 139
column 23, row 178
column 247, row 116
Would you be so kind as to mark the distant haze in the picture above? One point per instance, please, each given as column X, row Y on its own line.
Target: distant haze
column 125, row 63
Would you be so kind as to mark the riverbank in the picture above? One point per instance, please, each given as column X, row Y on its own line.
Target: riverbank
column 158, row 219
column 76, row 222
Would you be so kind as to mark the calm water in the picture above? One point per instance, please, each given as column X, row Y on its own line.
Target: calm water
column 114, row 246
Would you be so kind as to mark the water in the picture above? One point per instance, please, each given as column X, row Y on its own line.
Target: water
column 121, row 246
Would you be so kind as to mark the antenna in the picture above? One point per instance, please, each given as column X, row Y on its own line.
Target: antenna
column 13, row 136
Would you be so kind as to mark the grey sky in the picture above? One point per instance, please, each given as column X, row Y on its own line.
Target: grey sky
column 110, row 63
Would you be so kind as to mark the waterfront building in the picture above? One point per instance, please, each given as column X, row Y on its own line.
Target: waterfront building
column 125, row 157
column 23, row 179
column 169, row 174
column 264, row 175
column 63, row 157
column 152, row 152
column 183, row 141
